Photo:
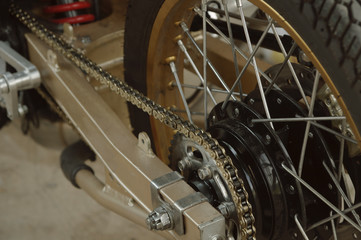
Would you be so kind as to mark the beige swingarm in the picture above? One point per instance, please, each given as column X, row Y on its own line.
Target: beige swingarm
column 145, row 177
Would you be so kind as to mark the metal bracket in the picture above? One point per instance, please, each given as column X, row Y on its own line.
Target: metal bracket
column 179, row 206
column 26, row 77
column 68, row 34
column 145, row 144
column 157, row 184
column 183, row 204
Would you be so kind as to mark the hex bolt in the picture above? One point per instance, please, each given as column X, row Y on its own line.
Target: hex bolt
column 279, row 101
column 226, row 209
column 251, row 101
column 204, row 173
column 182, row 165
column 310, row 135
column 160, row 219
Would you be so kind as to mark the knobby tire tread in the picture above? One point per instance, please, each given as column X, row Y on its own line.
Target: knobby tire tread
column 332, row 29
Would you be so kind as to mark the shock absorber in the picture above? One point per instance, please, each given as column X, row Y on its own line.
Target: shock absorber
column 71, row 11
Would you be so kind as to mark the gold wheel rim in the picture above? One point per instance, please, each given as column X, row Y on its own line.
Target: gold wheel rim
column 158, row 69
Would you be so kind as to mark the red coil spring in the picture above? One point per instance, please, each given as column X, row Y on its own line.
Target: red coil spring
column 71, row 7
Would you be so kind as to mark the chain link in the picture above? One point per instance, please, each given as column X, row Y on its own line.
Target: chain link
column 224, row 162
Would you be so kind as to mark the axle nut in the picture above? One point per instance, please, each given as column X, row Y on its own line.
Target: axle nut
column 160, row 219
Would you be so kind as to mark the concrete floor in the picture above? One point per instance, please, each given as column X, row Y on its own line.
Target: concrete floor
column 37, row 202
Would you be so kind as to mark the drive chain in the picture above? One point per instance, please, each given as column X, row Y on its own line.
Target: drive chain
column 225, row 165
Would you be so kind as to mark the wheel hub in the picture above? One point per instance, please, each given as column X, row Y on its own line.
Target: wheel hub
column 257, row 152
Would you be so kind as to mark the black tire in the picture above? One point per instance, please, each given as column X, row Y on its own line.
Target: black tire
column 332, row 29
column 139, row 24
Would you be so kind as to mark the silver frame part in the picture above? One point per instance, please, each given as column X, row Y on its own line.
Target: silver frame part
column 26, row 77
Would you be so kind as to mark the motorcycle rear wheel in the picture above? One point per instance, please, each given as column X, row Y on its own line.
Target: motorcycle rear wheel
column 328, row 33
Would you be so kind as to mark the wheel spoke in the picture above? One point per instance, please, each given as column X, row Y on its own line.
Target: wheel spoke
column 333, row 228
column 220, row 33
column 175, row 74
column 308, row 125
column 204, row 23
column 322, row 198
column 342, row 150
column 339, row 188
column 300, row 228
column 283, row 50
column 319, row 223
column 249, row 44
column 246, row 66
column 215, row 90
column 298, row 119
column 334, row 132
column 230, row 34
column 184, row 50
column 312, row 120
column 186, row 30
column 294, row 46
column 254, row 21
